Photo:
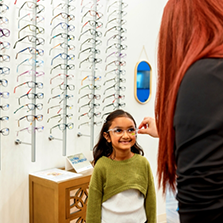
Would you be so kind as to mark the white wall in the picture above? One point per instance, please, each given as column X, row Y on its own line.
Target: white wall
column 143, row 21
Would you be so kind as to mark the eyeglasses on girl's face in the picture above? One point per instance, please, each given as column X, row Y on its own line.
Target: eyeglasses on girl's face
column 118, row 132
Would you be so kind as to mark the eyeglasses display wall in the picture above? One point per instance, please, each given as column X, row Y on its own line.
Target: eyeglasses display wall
column 68, row 66
column 4, row 71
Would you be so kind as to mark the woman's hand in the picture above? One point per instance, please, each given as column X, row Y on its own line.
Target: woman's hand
column 148, row 126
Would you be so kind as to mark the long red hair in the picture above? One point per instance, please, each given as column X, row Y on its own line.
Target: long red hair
column 190, row 30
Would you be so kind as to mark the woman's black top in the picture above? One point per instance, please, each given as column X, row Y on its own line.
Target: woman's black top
column 198, row 124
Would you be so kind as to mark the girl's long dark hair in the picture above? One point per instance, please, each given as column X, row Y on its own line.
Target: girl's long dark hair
column 103, row 148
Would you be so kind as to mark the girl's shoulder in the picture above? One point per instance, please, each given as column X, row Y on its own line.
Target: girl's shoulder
column 142, row 161
column 102, row 161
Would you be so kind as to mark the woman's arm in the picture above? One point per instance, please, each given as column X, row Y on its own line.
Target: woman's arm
column 148, row 126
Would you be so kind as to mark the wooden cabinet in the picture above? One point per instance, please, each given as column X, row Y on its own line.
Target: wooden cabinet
column 58, row 202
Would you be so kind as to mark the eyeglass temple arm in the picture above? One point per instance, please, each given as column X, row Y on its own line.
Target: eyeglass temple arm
column 54, row 36
column 18, row 41
column 54, row 47
column 83, row 51
column 108, row 97
column 108, row 88
column 84, row 25
column 111, row 5
column 19, row 86
column 52, row 128
column 48, row 110
column 17, row 69
column 21, row 30
column 21, row 19
column 19, row 108
column 109, row 64
column 55, row 58
column 82, row 124
column 109, row 22
column 111, row 14
column 82, row 62
column 20, row 120
column 54, row 68
column 108, row 48
column 109, row 56
column 21, row 52
column 106, row 106
column 54, row 28
column 54, row 77
column 82, row 34
column 83, row 88
column 109, row 30
column 20, row 7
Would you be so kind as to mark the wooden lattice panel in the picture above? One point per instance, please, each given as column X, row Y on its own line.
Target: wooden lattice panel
column 77, row 198
column 78, row 220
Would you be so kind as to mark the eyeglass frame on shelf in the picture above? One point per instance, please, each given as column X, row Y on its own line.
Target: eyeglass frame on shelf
column 67, row 27
column 31, row 19
column 98, row 114
column 43, row 8
column 35, row 117
column 39, row 51
column 95, row 96
column 31, row 36
column 96, row 87
column 69, row 17
column 116, row 96
column 63, row 124
column 38, row 74
column 115, row 86
column 95, row 41
column 29, row 129
column 36, row 95
column 69, row 116
column 60, row 106
column 70, row 47
column 68, row 57
column 40, row 29
column 68, row 36
column 68, row 76
column 38, row 106
column 68, row 67
column 91, row 56
column 115, row 105
column 37, row 84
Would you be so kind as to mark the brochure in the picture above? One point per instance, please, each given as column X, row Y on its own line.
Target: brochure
column 78, row 162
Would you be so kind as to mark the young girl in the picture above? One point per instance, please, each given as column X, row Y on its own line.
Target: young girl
column 121, row 188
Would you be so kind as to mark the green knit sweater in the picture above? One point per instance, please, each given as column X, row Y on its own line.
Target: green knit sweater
column 111, row 177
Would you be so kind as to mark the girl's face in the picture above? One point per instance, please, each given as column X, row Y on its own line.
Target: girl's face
column 121, row 133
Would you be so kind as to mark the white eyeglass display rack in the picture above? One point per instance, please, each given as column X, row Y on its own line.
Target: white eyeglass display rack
column 64, row 108
column 33, row 125
column 1, row 130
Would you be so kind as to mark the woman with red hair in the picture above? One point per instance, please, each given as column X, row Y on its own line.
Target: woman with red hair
column 189, row 108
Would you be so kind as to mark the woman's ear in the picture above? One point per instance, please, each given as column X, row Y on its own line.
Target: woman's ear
column 106, row 136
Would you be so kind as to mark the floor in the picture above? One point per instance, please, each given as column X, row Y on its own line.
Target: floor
column 171, row 206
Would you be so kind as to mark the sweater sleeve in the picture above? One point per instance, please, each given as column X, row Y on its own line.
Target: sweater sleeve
column 95, row 196
column 150, row 200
